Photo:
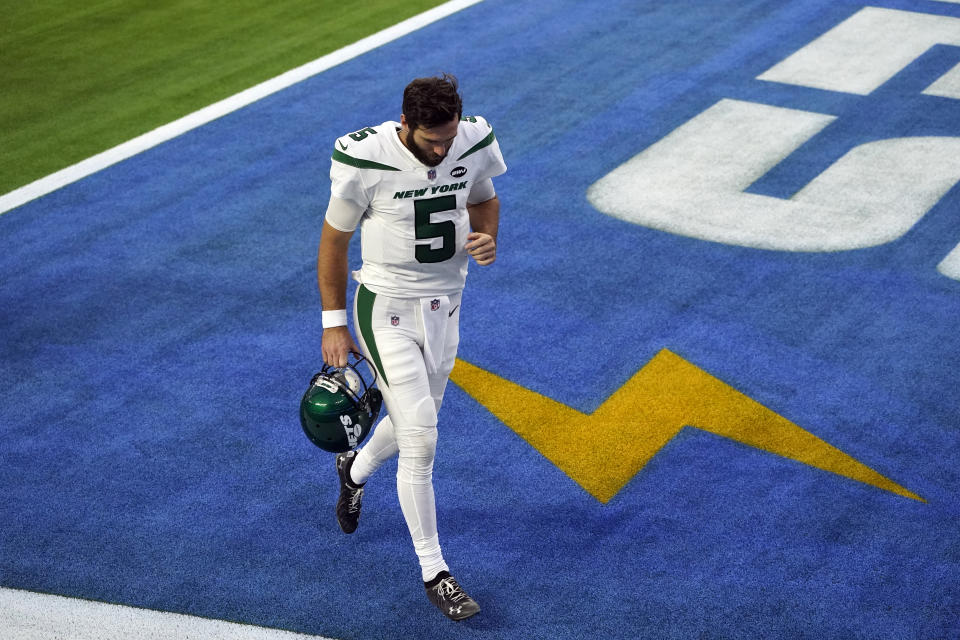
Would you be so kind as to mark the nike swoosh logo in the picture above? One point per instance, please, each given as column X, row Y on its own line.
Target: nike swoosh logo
column 450, row 315
column 342, row 146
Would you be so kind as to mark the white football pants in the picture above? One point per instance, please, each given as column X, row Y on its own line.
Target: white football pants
column 413, row 345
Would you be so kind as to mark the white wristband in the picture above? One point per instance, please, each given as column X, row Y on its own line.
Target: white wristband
column 336, row 318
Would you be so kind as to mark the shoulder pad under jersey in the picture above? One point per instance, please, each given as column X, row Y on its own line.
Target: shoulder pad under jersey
column 366, row 148
column 477, row 134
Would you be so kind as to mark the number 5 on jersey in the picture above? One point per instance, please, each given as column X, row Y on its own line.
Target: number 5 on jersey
column 427, row 230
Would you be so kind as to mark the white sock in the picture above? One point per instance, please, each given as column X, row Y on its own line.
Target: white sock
column 431, row 559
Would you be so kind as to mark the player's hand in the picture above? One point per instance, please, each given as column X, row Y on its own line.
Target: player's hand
column 337, row 345
column 481, row 247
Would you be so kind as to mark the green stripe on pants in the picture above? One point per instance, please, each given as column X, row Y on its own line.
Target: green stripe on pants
column 365, row 299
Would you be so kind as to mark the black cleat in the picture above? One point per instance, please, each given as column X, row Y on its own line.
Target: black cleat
column 452, row 600
column 348, row 504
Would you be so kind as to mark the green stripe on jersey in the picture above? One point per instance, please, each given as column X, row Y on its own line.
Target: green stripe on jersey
column 486, row 142
column 365, row 299
column 340, row 156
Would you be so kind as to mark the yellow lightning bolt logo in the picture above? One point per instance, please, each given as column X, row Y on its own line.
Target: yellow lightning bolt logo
column 662, row 398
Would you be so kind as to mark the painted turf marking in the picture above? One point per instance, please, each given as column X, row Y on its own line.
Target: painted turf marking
column 26, row 615
column 171, row 130
column 694, row 181
column 864, row 51
column 665, row 396
column 950, row 266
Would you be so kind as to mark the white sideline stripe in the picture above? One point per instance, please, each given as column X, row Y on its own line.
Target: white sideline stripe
column 26, row 615
column 161, row 134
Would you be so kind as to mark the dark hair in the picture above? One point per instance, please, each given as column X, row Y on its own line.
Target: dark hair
column 430, row 102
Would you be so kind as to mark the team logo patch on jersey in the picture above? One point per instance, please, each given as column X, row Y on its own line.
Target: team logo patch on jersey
column 456, row 172
column 434, row 305
column 395, row 321
column 432, row 174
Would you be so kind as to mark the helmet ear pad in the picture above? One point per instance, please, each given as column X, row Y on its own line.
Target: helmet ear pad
column 374, row 401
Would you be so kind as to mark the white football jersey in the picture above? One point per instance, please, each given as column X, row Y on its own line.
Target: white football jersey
column 415, row 223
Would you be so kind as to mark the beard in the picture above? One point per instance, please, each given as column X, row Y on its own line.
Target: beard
column 426, row 157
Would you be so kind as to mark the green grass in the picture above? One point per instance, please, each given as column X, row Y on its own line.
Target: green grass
column 78, row 78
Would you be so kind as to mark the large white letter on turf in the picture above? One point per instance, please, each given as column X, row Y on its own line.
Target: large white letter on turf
column 865, row 50
column 693, row 181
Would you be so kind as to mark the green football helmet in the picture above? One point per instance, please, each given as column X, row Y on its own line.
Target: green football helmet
column 339, row 408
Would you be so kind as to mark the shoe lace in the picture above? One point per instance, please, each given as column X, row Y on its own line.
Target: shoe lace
column 355, row 497
column 450, row 590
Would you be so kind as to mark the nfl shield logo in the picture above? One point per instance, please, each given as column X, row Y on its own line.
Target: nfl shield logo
column 434, row 305
column 432, row 174
column 395, row 320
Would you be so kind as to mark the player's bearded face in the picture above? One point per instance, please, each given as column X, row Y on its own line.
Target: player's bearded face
column 430, row 146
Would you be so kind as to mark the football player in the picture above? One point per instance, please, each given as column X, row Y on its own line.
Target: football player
column 421, row 193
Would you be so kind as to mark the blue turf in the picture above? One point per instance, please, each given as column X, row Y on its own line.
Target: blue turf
column 160, row 320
